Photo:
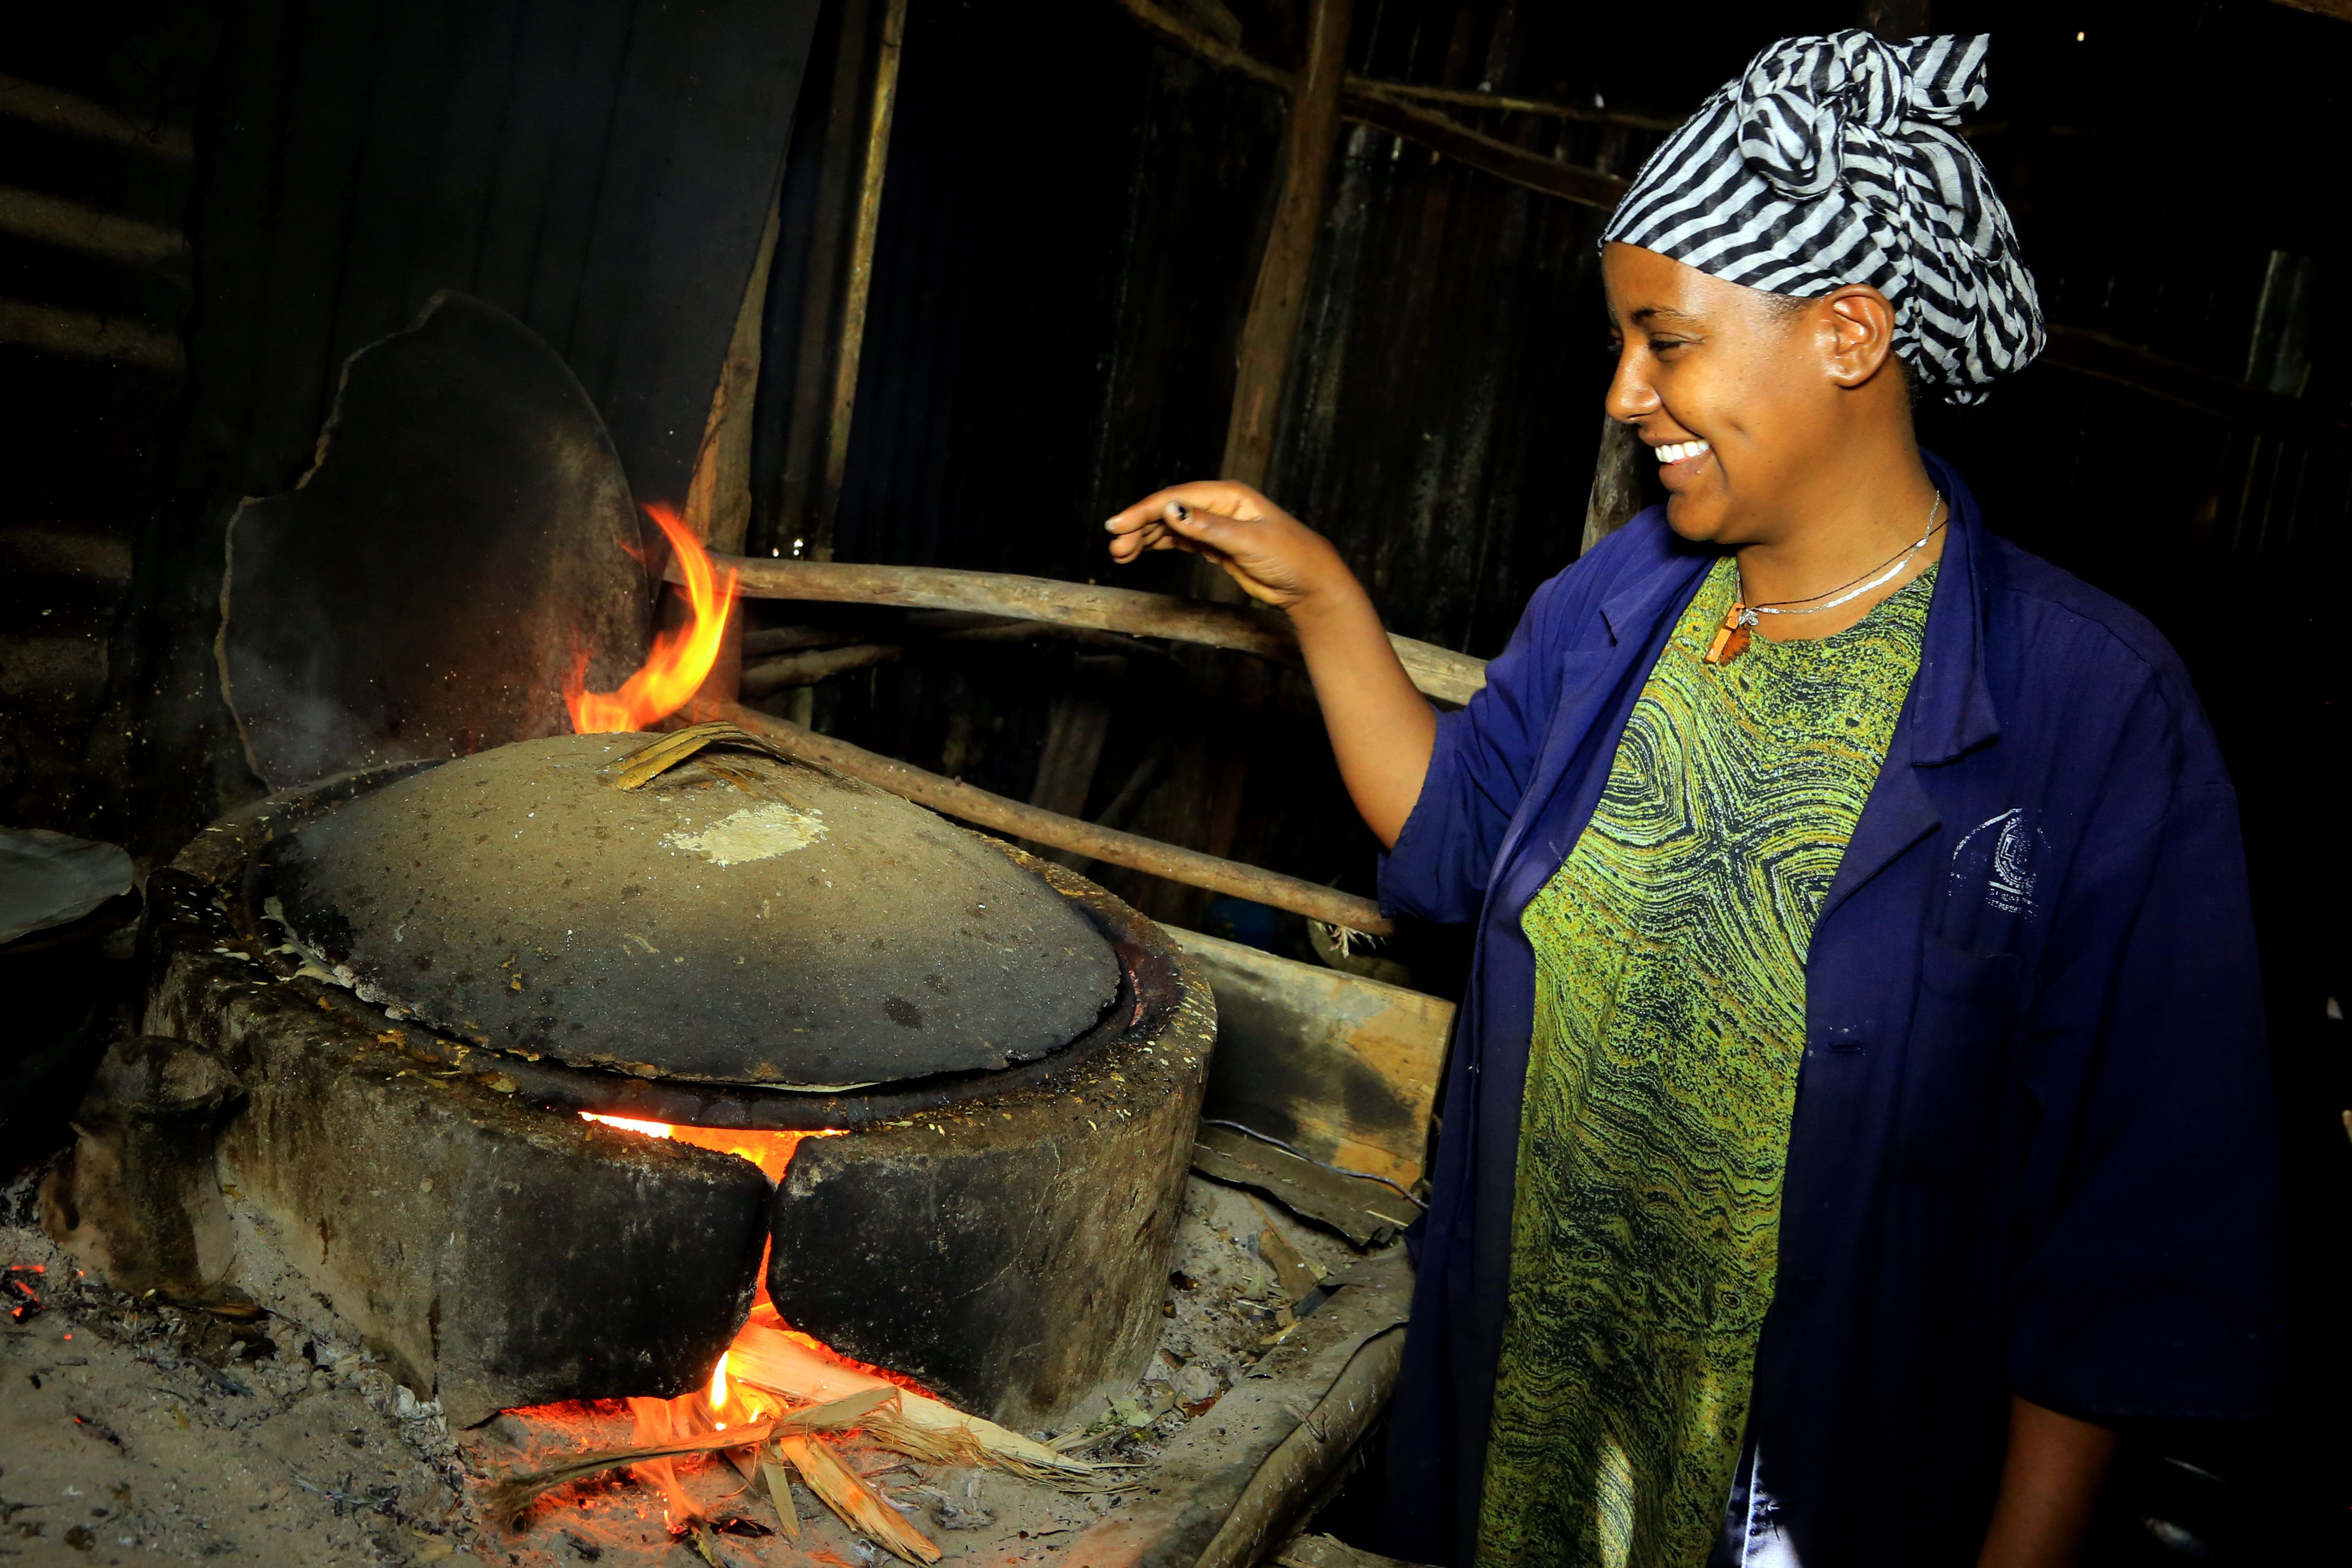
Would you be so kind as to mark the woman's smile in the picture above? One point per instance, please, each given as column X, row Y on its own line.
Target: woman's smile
column 1679, row 462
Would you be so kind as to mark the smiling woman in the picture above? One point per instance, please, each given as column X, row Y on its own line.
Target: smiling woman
column 1813, row 1184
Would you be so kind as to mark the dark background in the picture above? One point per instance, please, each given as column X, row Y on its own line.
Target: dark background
column 1068, row 240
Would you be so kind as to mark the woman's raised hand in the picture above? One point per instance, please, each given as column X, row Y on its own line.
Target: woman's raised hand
column 1382, row 730
column 1275, row 558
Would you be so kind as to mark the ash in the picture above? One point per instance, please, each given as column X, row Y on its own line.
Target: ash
column 133, row 1431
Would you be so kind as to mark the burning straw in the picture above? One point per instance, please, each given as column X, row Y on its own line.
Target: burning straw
column 511, row 1497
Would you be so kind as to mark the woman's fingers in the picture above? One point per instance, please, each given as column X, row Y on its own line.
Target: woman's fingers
column 1154, row 535
column 1269, row 552
column 1233, row 501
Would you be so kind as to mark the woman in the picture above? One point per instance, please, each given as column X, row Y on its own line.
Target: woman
column 1860, row 1103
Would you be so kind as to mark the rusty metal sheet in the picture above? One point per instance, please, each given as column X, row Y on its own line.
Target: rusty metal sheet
column 465, row 535
column 739, row 919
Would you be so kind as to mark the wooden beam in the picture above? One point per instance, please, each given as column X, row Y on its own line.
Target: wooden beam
column 69, row 226
column 1174, row 29
column 1278, row 303
column 859, row 286
column 85, row 336
column 952, row 798
column 1472, row 98
column 2340, row 9
column 1438, row 672
column 2105, row 358
column 804, row 444
column 1382, row 104
column 59, row 109
column 1458, row 141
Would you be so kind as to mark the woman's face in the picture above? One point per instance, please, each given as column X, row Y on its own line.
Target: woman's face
column 1735, row 391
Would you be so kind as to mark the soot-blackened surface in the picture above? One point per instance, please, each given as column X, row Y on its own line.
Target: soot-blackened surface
column 736, row 920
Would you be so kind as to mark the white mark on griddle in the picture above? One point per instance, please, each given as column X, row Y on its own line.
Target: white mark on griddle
column 759, row 832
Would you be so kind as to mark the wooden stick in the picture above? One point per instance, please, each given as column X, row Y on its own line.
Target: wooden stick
column 2106, row 358
column 1382, row 104
column 1616, row 493
column 1278, row 303
column 828, row 228
column 1471, row 98
column 1441, row 134
column 58, row 331
column 1439, row 672
column 808, row 668
column 513, row 1493
column 55, row 108
column 860, row 283
column 1189, row 866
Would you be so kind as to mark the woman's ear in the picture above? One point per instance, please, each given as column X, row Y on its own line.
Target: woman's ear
column 1861, row 327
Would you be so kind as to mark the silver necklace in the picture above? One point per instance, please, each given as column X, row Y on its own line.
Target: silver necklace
column 1731, row 637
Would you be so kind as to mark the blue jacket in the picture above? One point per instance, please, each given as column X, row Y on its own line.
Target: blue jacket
column 2033, row 1146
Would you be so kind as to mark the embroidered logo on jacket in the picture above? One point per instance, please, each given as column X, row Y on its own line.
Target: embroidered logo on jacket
column 2000, row 850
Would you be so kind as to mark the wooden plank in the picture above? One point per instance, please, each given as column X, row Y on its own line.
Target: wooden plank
column 1278, row 303
column 1368, row 1213
column 1342, row 1069
column 1438, row 672
column 1011, row 816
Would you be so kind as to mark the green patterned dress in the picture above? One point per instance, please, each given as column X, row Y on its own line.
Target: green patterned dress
column 1669, row 1022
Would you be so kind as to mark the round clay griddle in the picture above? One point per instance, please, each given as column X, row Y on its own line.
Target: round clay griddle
column 738, row 920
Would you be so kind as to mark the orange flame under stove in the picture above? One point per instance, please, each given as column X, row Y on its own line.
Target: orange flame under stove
column 680, row 660
column 722, row 1402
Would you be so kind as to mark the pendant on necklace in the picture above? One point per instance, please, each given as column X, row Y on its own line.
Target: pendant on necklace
column 1731, row 637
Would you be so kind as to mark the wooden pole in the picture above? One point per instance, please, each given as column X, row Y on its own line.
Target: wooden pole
column 1616, row 493
column 804, row 444
column 1011, row 816
column 1439, row 672
column 1279, row 302
column 860, row 283
column 719, row 500
column 1385, row 104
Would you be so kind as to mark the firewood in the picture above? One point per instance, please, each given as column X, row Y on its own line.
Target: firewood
column 510, row 1496
column 779, row 1492
column 861, row 1508
column 919, row 1427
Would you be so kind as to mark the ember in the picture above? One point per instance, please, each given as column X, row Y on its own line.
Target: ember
column 675, row 669
column 772, row 1151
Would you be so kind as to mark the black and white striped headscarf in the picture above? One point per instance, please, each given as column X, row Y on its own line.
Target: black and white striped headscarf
column 1831, row 160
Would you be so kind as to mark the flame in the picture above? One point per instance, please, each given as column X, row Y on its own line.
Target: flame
column 724, row 1401
column 650, row 1129
column 675, row 669
column 772, row 1151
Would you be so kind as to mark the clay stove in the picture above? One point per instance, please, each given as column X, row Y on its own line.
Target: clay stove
column 421, row 1012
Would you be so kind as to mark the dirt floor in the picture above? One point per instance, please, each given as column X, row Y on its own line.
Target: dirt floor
column 131, row 1431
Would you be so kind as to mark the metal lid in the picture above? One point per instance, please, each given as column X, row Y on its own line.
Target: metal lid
column 738, row 920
